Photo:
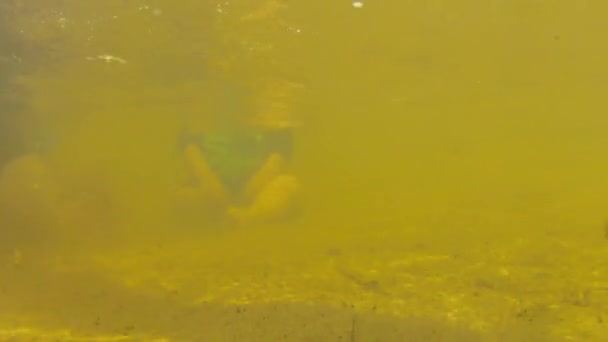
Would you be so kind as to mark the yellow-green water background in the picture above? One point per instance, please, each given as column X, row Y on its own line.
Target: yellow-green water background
column 452, row 156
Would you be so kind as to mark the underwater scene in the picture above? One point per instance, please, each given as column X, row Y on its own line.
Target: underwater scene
column 276, row 170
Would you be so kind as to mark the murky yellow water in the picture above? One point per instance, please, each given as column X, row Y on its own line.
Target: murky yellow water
column 450, row 156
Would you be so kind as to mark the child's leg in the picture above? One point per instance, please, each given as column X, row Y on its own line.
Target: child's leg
column 266, row 174
column 271, row 202
column 209, row 183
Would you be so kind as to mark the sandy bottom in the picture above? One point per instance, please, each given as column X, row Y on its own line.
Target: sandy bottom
column 306, row 288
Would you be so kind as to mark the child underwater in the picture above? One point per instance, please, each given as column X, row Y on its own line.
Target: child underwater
column 241, row 171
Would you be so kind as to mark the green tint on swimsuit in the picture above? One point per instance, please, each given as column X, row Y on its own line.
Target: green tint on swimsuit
column 235, row 154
